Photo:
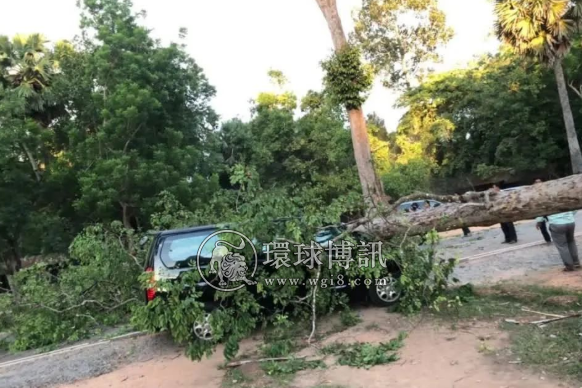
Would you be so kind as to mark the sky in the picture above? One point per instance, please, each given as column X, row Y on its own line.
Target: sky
column 237, row 41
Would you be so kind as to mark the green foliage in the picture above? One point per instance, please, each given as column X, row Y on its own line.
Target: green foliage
column 70, row 299
column 279, row 342
column 366, row 355
column 151, row 124
column 540, row 29
column 348, row 318
column 501, row 114
column 404, row 179
column 424, row 275
column 115, row 135
column 401, row 38
column 273, row 368
column 346, row 79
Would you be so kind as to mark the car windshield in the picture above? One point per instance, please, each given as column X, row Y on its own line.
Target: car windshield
column 181, row 249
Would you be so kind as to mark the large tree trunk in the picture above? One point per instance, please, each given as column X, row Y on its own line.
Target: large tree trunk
column 575, row 154
column 482, row 209
column 371, row 185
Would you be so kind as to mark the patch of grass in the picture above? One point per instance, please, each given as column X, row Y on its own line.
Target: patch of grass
column 372, row 326
column 348, row 318
column 290, row 367
column 281, row 338
column 557, row 348
column 278, row 348
column 234, row 378
column 366, row 355
column 507, row 300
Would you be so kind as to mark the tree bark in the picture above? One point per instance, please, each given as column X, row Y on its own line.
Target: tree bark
column 481, row 209
column 32, row 161
column 573, row 144
column 125, row 215
column 371, row 186
column 13, row 264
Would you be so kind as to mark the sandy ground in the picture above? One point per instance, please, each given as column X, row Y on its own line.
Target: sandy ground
column 433, row 356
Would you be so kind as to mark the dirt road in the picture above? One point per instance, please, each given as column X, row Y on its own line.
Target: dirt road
column 434, row 357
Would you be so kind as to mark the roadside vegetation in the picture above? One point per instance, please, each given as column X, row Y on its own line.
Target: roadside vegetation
column 112, row 135
column 554, row 347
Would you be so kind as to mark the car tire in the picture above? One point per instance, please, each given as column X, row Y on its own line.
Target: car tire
column 202, row 330
column 386, row 291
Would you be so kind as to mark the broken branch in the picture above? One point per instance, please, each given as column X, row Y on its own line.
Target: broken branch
column 551, row 320
column 235, row 364
column 543, row 314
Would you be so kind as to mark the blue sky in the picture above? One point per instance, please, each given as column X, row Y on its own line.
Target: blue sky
column 238, row 41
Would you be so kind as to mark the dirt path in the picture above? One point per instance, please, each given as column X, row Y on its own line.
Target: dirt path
column 433, row 357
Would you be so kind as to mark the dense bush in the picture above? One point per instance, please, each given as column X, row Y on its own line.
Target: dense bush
column 95, row 287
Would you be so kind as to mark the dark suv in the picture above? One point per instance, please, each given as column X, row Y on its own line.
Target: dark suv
column 173, row 252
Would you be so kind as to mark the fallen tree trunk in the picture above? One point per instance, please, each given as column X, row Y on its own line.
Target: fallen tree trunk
column 479, row 209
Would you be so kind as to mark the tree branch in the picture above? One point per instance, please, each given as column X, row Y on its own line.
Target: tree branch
column 85, row 302
column 235, row 364
column 313, row 305
column 131, row 137
column 574, row 89
column 32, row 161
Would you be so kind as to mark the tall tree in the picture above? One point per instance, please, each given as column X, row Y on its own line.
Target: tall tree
column 400, row 38
column 494, row 117
column 371, row 185
column 544, row 29
column 27, row 68
column 142, row 121
column 30, row 223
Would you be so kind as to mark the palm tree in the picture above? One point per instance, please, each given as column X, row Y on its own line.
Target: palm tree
column 544, row 29
column 26, row 67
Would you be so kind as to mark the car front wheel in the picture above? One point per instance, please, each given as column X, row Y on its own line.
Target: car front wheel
column 385, row 291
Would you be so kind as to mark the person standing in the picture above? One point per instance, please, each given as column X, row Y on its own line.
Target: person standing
column 562, row 227
column 466, row 230
column 508, row 228
column 541, row 222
